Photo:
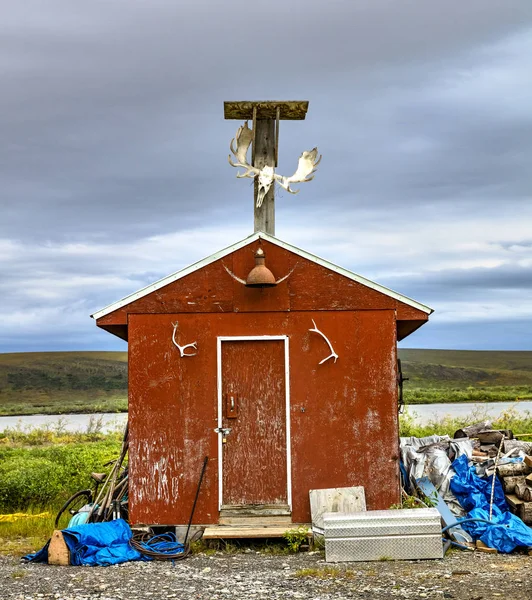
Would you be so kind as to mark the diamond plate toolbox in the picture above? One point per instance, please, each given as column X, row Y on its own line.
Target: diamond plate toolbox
column 380, row 534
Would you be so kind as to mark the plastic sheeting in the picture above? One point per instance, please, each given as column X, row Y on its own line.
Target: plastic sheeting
column 95, row 544
column 507, row 531
column 427, row 457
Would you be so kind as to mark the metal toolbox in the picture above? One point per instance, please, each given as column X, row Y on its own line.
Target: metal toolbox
column 380, row 534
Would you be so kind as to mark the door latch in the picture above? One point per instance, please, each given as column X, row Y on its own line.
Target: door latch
column 225, row 431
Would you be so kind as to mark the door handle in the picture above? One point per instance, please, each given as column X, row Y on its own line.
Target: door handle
column 231, row 406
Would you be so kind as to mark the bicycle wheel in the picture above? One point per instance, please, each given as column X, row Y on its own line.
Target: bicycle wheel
column 71, row 507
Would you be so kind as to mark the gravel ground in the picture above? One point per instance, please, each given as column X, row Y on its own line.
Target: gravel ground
column 249, row 575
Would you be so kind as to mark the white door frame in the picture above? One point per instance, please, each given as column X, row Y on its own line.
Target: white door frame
column 260, row 338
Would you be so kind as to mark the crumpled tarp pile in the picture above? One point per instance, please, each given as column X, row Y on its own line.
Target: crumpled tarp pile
column 508, row 531
column 429, row 457
column 95, row 544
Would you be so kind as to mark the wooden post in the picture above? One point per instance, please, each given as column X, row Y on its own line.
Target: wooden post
column 265, row 116
column 264, row 217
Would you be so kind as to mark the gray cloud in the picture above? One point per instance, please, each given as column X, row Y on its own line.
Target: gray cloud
column 113, row 138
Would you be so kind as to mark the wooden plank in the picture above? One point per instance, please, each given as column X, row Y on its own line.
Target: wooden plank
column 255, row 510
column 344, row 500
column 289, row 110
column 58, row 553
column 264, row 149
column 481, row 547
column 513, row 501
column 270, row 521
column 221, row 532
column 528, row 461
column 528, row 480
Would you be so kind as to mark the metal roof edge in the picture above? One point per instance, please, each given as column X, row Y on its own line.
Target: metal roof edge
column 174, row 276
column 236, row 246
column 349, row 274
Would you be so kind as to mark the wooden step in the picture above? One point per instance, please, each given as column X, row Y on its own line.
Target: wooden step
column 256, row 520
column 222, row 532
column 252, row 510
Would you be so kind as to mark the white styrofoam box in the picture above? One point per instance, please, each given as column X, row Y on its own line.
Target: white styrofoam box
column 335, row 500
column 380, row 534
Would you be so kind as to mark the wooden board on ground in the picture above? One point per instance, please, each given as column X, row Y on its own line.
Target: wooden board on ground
column 58, row 553
column 481, row 547
column 223, row 532
column 528, row 461
column 340, row 500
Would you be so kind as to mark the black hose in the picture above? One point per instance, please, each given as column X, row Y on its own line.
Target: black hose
column 163, row 546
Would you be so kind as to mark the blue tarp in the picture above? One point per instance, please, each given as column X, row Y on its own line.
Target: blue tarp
column 507, row 531
column 95, row 544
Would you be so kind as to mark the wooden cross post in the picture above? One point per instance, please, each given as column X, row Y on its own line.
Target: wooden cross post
column 265, row 147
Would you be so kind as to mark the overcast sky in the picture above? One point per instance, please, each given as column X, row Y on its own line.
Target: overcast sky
column 113, row 153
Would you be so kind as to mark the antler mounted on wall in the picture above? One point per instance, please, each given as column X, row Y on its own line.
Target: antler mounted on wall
column 244, row 282
column 183, row 348
column 306, row 166
column 333, row 353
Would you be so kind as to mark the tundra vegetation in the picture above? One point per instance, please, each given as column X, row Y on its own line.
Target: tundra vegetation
column 41, row 468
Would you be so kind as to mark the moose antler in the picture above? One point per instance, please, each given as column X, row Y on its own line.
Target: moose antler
column 243, row 139
column 306, row 166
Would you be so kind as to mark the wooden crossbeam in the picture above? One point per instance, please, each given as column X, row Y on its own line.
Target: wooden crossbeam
column 289, row 110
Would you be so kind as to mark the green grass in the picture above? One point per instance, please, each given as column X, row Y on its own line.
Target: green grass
column 441, row 376
column 39, row 471
column 27, row 534
column 519, row 423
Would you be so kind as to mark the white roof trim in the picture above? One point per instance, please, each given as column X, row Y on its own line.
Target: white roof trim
column 258, row 235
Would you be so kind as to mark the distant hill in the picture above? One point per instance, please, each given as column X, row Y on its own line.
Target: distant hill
column 59, row 382
column 466, row 375
column 443, row 368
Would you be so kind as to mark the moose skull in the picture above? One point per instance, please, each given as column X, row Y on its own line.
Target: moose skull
column 264, row 180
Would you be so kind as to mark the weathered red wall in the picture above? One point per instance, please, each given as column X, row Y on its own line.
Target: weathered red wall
column 344, row 427
column 343, row 415
column 309, row 287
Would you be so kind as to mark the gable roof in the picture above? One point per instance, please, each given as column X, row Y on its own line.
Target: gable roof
column 256, row 236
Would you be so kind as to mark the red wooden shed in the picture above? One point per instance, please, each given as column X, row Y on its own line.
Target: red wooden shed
column 303, row 374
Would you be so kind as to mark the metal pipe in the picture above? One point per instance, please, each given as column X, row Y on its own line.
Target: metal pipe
column 205, row 461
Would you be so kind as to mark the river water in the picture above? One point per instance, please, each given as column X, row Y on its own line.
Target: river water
column 422, row 413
